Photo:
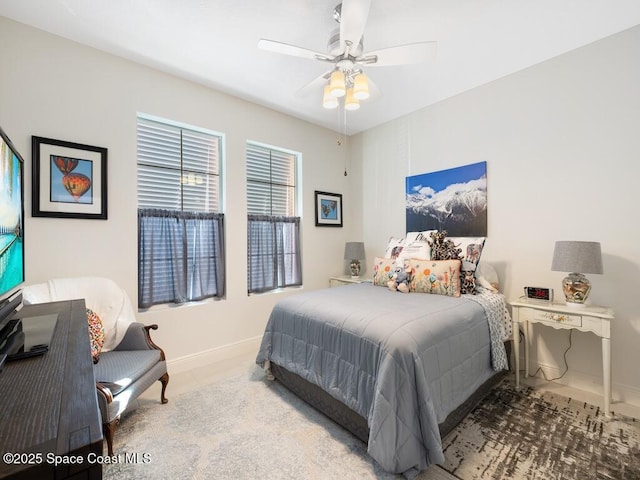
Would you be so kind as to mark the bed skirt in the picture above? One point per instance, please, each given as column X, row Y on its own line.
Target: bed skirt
column 355, row 423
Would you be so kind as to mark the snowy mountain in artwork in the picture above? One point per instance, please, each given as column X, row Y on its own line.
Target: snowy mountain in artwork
column 460, row 208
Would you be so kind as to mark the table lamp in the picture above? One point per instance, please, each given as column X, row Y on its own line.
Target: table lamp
column 578, row 258
column 354, row 252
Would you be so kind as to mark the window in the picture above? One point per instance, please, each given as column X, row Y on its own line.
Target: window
column 180, row 226
column 273, row 229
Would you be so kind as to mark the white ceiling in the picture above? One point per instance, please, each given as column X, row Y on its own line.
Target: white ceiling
column 214, row 42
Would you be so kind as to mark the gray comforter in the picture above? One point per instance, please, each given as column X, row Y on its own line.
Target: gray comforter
column 402, row 361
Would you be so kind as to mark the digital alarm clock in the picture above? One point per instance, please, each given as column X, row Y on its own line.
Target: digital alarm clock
column 539, row 293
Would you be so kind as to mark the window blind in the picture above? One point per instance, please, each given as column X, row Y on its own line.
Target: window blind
column 271, row 181
column 178, row 168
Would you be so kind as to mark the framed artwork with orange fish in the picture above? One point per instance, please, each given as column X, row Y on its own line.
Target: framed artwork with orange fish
column 69, row 179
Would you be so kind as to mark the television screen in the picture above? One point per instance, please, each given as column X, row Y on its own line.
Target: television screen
column 11, row 217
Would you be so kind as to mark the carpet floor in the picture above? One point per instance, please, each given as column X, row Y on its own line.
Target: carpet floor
column 247, row 427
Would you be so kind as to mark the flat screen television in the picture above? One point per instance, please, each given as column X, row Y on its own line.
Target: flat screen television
column 11, row 228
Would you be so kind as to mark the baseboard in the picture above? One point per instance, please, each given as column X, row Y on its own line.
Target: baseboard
column 225, row 352
column 590, row 383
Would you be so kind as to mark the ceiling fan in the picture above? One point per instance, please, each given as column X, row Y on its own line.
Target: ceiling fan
column 346, row 52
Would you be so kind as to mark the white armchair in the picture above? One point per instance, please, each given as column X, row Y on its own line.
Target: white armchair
column 129, row 362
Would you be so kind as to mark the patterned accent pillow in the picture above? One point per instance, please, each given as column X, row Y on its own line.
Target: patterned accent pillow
column 96, row 334
column 441, row 277
column 442, row 248
column 471, row 250
column 382, row 268
column 416, row 245
column 468, row 282
column 394, row 247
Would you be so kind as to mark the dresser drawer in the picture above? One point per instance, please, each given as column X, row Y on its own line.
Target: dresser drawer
column 554, row 317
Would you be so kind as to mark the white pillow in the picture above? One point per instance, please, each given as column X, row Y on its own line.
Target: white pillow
column 394, row 247
column 487, row 277
column 416, row 246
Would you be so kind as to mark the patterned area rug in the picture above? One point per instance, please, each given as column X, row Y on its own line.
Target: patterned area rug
column 525, row 434
column 244, row 427
column 247, row 427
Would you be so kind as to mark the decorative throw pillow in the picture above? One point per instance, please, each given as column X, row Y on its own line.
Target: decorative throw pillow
column 96, row 334
column 441, row 277
column 416, row 245
column 468, row 282
column 382, row 270
column 471, row 249
column 443, row 248
column 487, row 277
column 394, row 247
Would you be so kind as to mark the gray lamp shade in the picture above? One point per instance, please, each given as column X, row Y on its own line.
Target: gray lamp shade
column 578, row 257
column 354, row 251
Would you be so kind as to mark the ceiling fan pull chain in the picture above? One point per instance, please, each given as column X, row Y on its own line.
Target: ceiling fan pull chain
column 341, row 125
column 342, row 136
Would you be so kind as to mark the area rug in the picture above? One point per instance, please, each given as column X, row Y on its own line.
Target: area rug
column 244, row 427
column 525, row 434
column 247, row 427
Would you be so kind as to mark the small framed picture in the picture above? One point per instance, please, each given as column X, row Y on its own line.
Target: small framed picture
column 328, row 209
column 69, row 180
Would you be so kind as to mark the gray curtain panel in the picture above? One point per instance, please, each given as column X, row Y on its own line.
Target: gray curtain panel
column 180, row 256
column 274, row 253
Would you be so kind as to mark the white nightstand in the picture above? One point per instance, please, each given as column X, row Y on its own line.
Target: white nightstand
column 345, row 280
column 589, row 318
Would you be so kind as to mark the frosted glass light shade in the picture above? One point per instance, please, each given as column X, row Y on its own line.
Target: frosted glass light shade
column 361, row 87
column 328, row 100
column 351, row 102
column 337, row 84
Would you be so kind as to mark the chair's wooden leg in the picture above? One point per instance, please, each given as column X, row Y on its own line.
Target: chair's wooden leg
column 165, row 380
column 109, row 429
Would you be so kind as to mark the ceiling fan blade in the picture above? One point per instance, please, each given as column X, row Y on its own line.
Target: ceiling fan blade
column 400, row 55
column 286, row 49
column 314, row 86
column 353, row 18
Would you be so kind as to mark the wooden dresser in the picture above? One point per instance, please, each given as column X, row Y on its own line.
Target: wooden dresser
column 48, row 405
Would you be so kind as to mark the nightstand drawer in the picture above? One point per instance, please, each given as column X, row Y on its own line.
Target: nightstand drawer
column 555, row 317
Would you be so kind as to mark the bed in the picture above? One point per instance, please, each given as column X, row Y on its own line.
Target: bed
column 397, row 370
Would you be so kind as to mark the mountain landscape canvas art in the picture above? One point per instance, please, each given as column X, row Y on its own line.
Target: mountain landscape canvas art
column 454, row 200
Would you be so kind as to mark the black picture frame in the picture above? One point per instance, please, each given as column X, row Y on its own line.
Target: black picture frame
column 328, row 209
column 69, row 180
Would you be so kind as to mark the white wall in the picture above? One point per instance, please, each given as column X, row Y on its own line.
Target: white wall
column 562, row 146
column 55, row 88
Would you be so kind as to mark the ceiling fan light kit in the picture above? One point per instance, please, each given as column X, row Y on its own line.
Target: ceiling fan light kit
column 353, row 88
column 351, row 103
column 346, row 53
column 337, row 86
column 361, row 86
column 329, row 101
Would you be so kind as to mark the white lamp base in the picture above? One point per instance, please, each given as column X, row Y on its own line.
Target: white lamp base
column 576, row 305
